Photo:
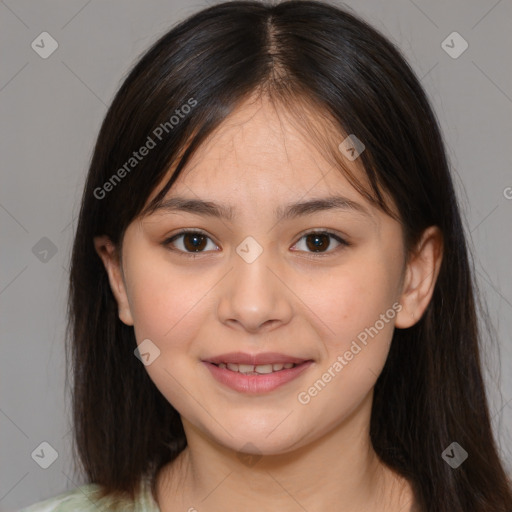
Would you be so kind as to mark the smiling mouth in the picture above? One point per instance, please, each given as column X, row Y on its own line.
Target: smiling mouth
column 260, row 369
column 272, row 371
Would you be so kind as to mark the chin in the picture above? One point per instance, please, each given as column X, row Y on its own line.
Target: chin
column 257, row 441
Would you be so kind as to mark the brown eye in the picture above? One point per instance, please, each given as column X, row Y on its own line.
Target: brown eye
column 191, row 241
column 320, row 242
column 194, row 242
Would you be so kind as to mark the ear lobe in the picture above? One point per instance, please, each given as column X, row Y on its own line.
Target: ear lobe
column 108, row 253
column 420, row 278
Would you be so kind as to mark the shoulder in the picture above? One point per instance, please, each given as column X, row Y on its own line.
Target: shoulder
column 86, row 499
column 78, row 499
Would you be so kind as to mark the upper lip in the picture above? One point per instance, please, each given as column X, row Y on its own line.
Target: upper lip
column 255, row 359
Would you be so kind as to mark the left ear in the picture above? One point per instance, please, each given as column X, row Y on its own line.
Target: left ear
column 420, row 277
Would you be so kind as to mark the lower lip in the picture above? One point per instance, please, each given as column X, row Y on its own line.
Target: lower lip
column 256, row 383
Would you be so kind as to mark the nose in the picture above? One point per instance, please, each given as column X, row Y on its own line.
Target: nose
column 254, row 296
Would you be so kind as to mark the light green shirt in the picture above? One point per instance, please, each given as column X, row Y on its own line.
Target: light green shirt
column 82, row 499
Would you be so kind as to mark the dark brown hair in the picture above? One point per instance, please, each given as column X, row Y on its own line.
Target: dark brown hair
column 310, row 53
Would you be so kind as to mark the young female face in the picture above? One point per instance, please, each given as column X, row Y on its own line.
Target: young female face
column 263, row 282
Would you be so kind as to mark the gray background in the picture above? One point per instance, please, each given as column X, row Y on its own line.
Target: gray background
column 51, row 110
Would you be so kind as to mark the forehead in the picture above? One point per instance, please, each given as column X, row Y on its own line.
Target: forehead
column 263, row 151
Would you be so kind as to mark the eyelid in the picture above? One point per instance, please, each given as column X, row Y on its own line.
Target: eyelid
column 341, row 239
column 167, row 243
column 333, row 234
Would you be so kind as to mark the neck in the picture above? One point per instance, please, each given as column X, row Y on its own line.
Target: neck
column 338, row 471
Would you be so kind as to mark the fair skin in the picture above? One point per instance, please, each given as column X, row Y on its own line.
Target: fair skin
column 311, row 456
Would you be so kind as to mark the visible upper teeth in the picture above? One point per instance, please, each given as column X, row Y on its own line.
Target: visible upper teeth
column 260, row 368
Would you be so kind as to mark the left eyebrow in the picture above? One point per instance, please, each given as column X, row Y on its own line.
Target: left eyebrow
column 322, row 204
column 284, row 212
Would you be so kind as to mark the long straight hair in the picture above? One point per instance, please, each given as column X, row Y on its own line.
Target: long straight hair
column 319, row 62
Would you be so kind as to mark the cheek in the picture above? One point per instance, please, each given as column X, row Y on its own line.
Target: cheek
column 164, row 301
column 166, row 305
column 357, row 306
column 352, row 299
column 356, row 303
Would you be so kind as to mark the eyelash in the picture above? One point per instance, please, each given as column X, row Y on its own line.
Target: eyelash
column 168, row 243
